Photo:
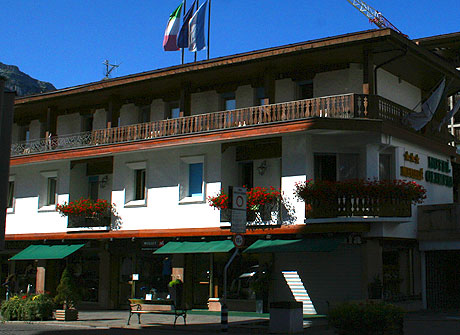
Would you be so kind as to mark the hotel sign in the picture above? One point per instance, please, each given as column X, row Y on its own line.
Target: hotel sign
column 410, row 172
column 436, row 177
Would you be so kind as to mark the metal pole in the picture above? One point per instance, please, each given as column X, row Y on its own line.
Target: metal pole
column 197, row 7
column 209, row 27
column 183, row 12
column 224, row 310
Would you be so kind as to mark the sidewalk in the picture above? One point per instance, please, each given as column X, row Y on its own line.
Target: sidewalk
column 203, row 323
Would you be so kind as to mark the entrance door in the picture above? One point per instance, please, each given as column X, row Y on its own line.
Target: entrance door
column 201, row 277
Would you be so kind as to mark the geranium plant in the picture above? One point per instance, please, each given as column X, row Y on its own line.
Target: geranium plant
column 86, row 207
column 256, row 197
column 381, row 190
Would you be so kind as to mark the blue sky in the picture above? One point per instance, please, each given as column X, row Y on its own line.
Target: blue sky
column 65, row 42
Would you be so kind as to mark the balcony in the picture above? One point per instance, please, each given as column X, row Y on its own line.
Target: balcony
column 347, row 106
column 439, row 222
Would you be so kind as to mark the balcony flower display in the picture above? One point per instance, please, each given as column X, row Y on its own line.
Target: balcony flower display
column 359, row 197
column 260, row 202
column 87, row 212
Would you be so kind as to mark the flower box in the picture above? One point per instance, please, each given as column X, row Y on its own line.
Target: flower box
column 351, row 198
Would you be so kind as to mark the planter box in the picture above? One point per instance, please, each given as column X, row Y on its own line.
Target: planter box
column 66, row 314
column 82, row 222
column 286, row 317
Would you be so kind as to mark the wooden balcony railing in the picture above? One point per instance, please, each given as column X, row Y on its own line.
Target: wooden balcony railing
column 347, row 206
column 345, row 106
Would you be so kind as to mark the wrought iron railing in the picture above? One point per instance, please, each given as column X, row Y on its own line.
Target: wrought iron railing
column 345, row 106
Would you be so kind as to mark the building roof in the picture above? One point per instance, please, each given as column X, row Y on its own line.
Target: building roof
column 446, row 46
column 385, row 44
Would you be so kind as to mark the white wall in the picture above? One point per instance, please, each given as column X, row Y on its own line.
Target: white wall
column 68, row 124
column 29, row 183
column 401, row 92
column 35, row 129
column 129, row 114
column 205, row 102
column 338, row 82
column 157, row 110
column 163, row 209
column 285, row 90
column 244, row 96
column 99, row 119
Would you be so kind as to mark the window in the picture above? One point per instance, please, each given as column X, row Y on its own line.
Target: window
column 333, row 167
column 191, row 188
column 10, row 199
column 246, row 174
column 305, row 89
column 385, row 170
column 174, row 110
column 261, row 97
column 229, row 101
column 139, row 184
column 136, row 187
column 93, row 187
column 195, row 180
column 144, row 114
column 51, row 191
column 47, row 198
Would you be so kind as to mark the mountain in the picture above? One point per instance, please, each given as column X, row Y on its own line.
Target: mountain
column 21, row 82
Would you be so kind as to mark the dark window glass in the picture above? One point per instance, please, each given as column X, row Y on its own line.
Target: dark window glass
column 325, row 167
column 140, row 184
column 385, row 167
column 51, row 196
column 10, row 194
column 195, row 180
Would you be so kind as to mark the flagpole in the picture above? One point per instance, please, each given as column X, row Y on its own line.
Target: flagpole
column 185, row 5
column 197, row 6
column 209, row 26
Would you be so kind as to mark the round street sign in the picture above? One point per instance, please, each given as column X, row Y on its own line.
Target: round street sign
column 238, row 240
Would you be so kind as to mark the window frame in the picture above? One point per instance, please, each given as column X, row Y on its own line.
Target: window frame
column 44, row 204
column 338, row 156
column 10, row 209
column 131, row 188
column 184, row 184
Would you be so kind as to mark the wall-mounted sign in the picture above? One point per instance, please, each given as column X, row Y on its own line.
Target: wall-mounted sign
column 439, row 178
column 410, row 157
column 411, row 173
column 438, row 164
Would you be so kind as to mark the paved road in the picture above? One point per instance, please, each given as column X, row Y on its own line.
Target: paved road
column 114, row 323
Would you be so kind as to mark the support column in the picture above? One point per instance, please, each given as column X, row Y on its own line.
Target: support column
column 270, row 87
column 104, row 278
column 185, row 100
column 294, row 157
column 423, row 279
column 368, row 73
column 113, row 112
column 41, row 275
column 51, row 121
column 372, row 161
column 372, row 264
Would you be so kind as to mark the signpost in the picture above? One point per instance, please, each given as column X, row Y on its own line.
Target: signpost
column 239, row 199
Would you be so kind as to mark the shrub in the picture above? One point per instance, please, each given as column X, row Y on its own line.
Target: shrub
column 67, row 293
column 27, row 308
column 367, row 319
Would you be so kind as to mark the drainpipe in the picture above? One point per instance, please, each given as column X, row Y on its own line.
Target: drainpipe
column 404, row 52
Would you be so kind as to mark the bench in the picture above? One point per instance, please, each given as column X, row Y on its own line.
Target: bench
column 141, row 306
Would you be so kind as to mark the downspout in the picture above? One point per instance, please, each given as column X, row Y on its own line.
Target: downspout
column 404, row 52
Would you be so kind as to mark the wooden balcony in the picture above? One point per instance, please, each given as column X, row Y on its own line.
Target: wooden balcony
column 439, row 222
column 354, row 207
column 347, row 106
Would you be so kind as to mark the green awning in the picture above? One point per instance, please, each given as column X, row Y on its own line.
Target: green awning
column 302, row 245
column 195, row 247
column 46, row 252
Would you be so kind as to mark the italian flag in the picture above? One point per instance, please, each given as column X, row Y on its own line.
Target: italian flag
column 169, row 41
